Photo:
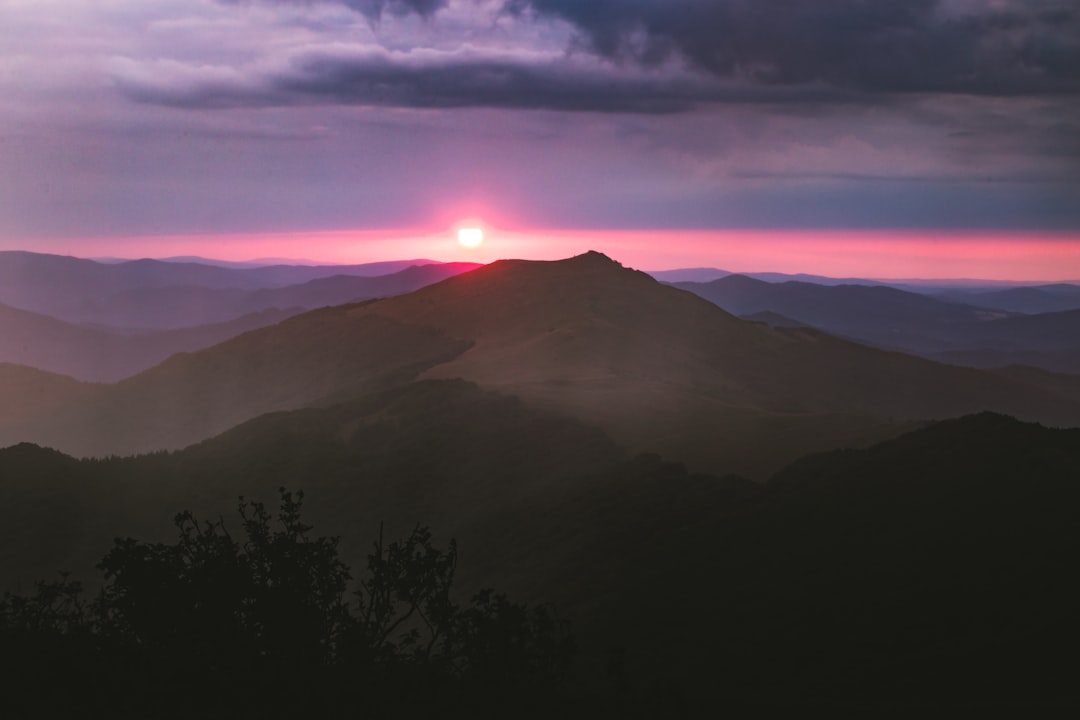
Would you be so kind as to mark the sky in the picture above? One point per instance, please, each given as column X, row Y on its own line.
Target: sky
column 933, row 138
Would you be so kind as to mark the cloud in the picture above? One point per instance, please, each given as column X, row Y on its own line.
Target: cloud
column 426, row 78
column 371, row 9
column 651, row 56
column 987, row 47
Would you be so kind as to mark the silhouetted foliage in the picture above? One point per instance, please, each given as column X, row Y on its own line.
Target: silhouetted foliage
column 264, row 625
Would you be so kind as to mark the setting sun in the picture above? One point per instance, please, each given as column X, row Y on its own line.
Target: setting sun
column 470, row 237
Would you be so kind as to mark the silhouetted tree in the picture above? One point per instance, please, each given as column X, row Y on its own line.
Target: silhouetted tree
column 265, row 626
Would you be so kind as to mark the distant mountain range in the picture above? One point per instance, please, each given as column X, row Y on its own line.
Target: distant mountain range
column 97, row 355
column 1059, row 297
column 657, row 368
column 181, row 306
column 934, row 326
column 113, row 321
column 958, row 286
column 154, row 294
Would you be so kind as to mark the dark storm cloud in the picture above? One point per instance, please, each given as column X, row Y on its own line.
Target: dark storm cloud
column 791, row 52
column 371, row 9
column 438, row 80
column 375, row 8
column 1010, row 48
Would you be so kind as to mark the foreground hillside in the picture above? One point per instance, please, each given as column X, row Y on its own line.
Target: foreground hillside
column 657, row 368
column 882, row 577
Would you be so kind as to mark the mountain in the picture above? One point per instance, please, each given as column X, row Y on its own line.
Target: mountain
column 192, row 396
column 29, row 396
column 283, row 274
column 704, row 275
column 1030, row 300
column 55, row 284
column 187, row 306
column 657, row 368
column 1066, row 361
column 775, row 319
column 861, row 309
column 97, row 355
column 908, row 321
column 85, row 291
column 442, row 451
column 1059, row 384
column 689, row 275
column 1046, row 331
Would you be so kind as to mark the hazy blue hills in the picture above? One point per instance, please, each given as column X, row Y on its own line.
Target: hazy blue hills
column 897, row 319
column 123, row 322
column 704, row 275
column 278, row 272
column 188, row 306
column 98, row 355
column 932, row 569
column 848, row 307
column 1031, row 300
column 983, row 293
column 158, row 294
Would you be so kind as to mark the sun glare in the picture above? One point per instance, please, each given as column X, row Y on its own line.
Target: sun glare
column 470, row 237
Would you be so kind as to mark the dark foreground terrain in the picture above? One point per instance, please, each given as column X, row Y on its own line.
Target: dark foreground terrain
column 934, row 570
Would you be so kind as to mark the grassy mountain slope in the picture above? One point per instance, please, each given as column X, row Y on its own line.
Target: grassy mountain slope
column 437, row 450
column 658, row 368
column 29, row 395
column 192, row 396
column 664, row 370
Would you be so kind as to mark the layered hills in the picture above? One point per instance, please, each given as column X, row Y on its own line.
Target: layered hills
column 154, row 294
column 182, row 306
column 101, row 355
column 657, row 368
column 1036, row 299
column 938, row 327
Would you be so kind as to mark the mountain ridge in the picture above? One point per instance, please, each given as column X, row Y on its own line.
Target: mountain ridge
column 658, row 368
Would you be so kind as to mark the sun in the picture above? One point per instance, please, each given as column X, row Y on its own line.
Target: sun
column 470, row 237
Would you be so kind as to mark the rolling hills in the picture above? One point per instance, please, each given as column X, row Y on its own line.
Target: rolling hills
column 1034, row 299
column 154, row 294
column 657, row 368
column 187, row 305
column 940, row 328
column 98, row 355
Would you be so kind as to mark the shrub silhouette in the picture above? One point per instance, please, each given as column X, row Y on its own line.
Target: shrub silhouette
column 265, row 625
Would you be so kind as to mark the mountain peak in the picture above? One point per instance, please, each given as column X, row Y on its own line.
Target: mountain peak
column 594, row 258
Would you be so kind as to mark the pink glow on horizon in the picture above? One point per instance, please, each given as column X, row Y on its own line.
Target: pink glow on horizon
column 1020, row 256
